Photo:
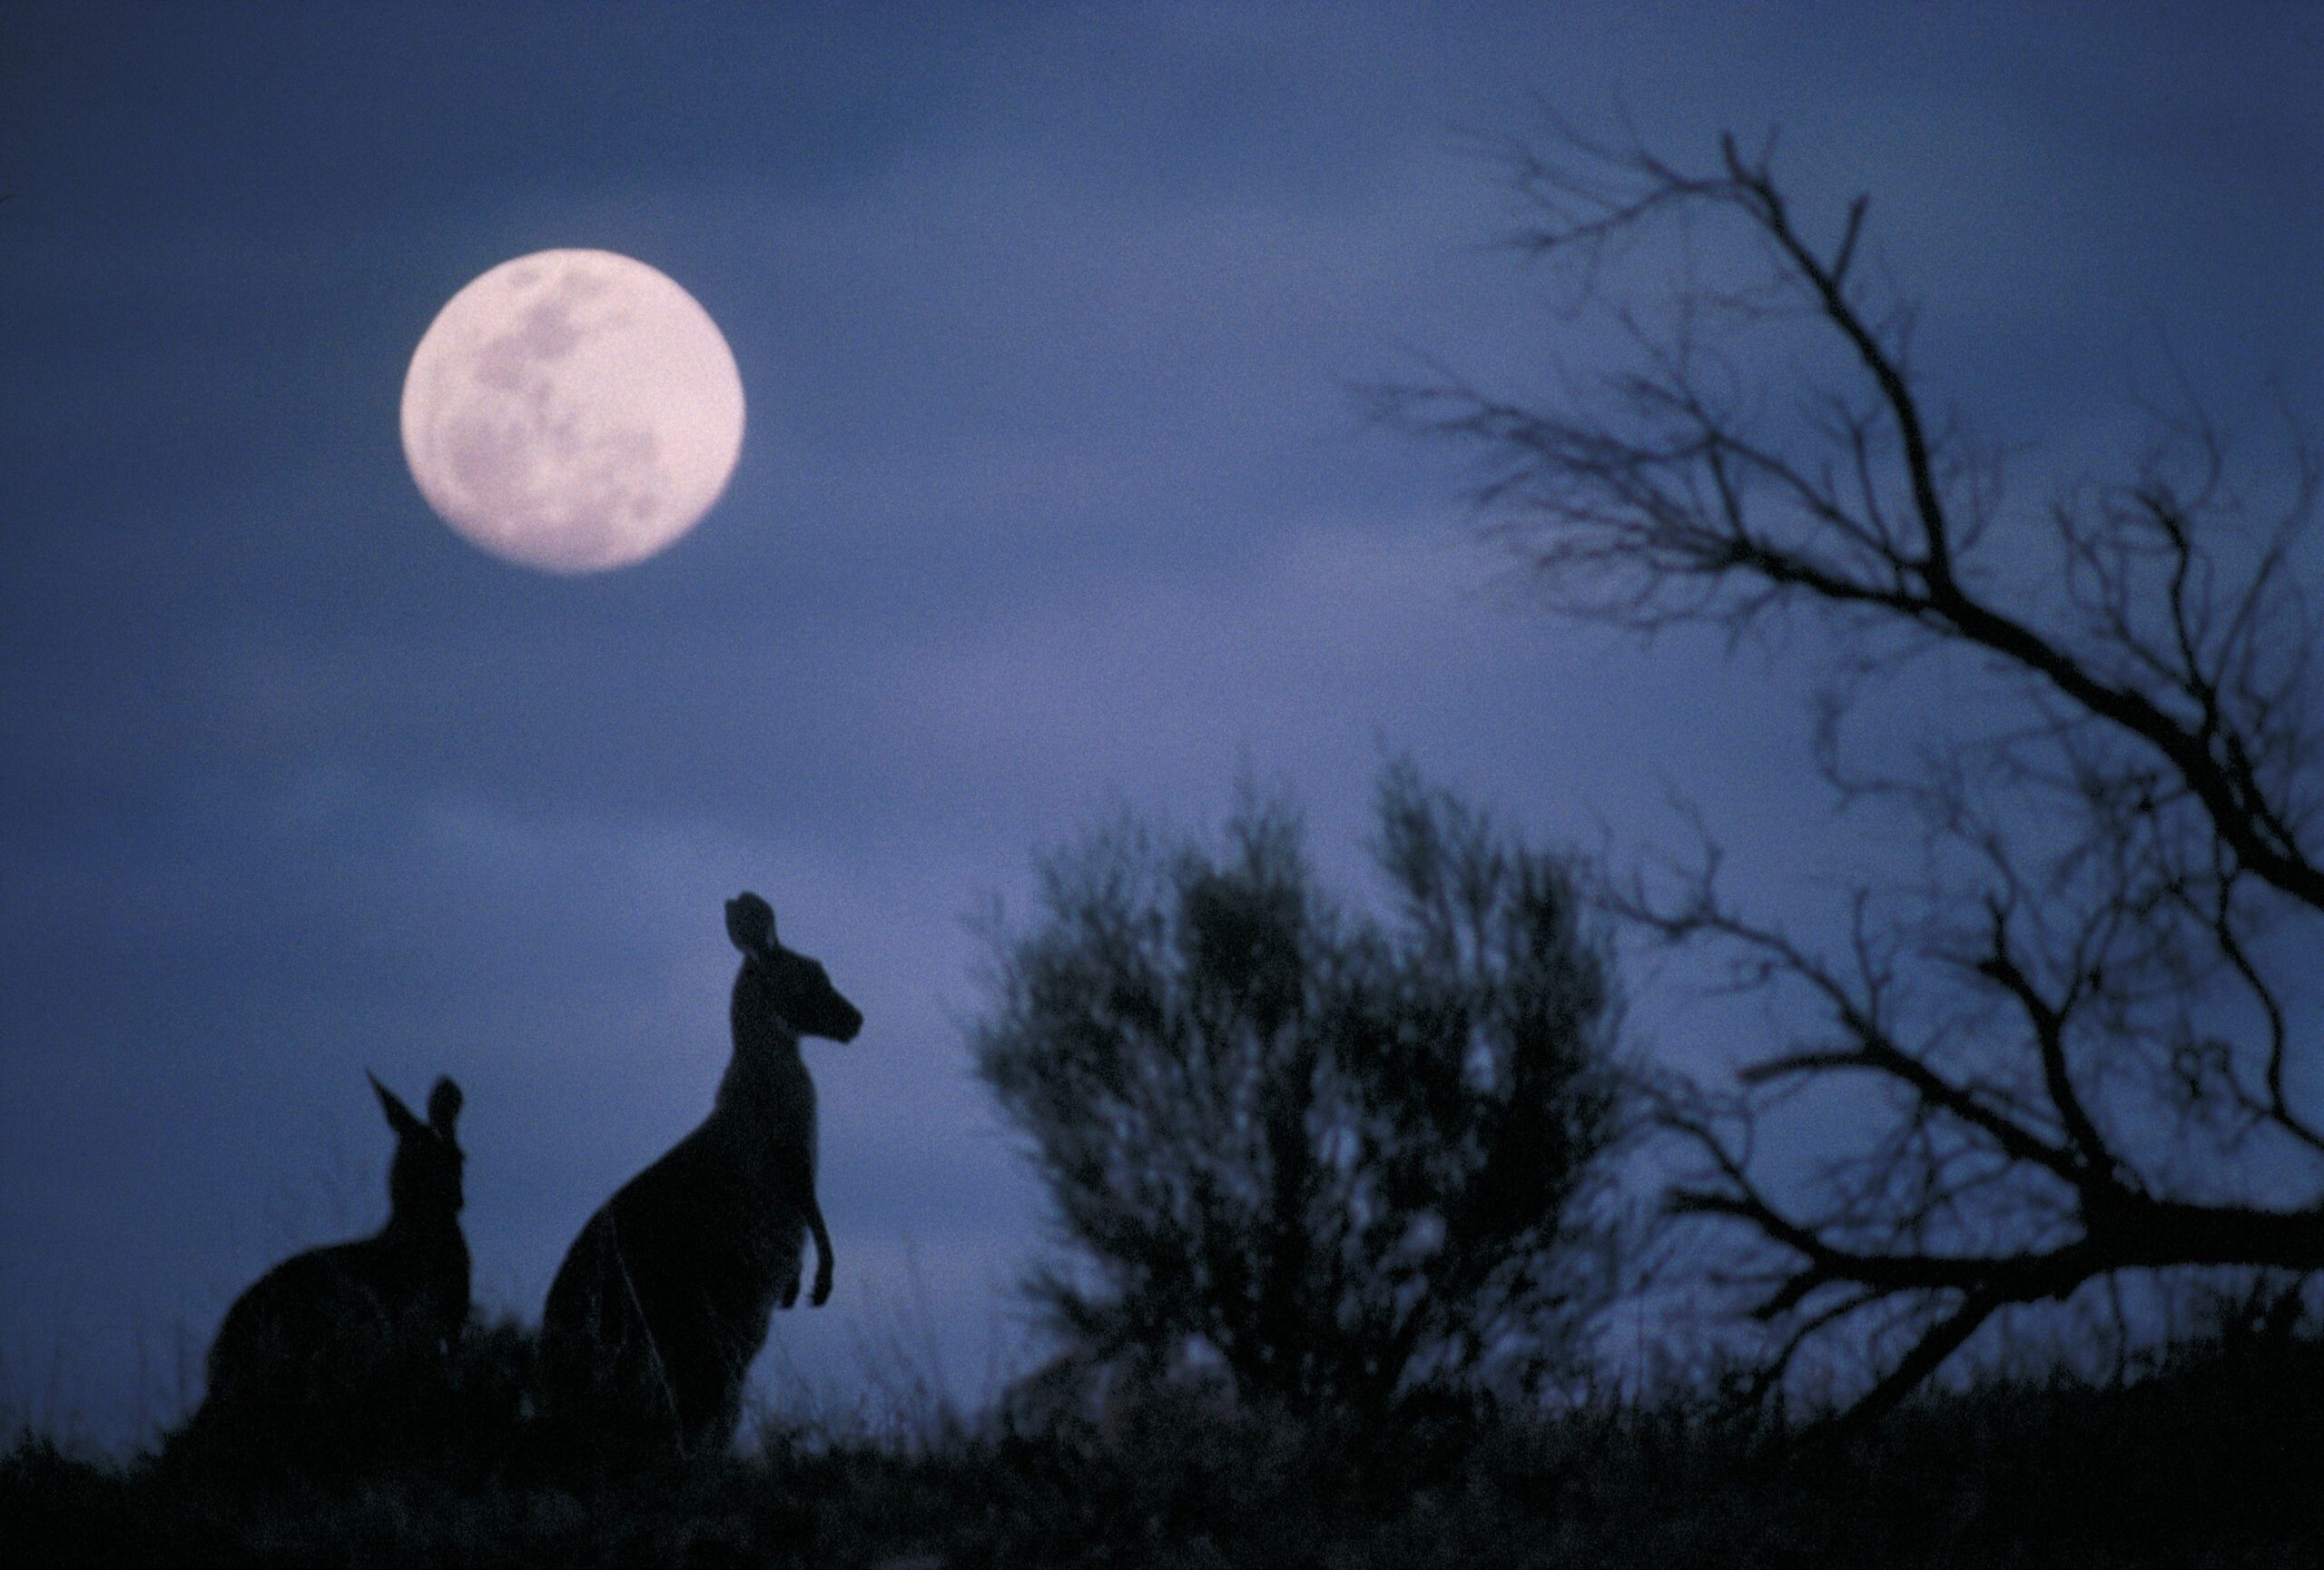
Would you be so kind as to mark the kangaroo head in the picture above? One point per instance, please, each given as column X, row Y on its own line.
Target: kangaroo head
column 425, row 1179
column 789, row 986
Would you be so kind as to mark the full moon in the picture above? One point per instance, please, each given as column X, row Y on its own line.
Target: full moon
column 572, row 411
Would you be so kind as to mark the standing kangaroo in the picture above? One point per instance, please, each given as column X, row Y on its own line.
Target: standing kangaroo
column 663, row 1300
column 340, row 1348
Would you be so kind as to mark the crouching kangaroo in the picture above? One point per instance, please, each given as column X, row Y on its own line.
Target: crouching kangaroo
column 663, row 1300
column 336, row 1354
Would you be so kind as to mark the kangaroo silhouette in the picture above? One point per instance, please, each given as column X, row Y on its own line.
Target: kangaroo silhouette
column 665, row 1299
column 343, row 1345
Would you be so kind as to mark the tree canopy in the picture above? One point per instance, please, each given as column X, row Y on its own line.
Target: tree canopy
column 1343, row 1155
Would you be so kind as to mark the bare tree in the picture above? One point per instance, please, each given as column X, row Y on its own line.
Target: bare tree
column 2078, row 1015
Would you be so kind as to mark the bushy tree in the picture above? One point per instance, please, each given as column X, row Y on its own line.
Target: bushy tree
column 2086, row 1022
column 1347, row 1156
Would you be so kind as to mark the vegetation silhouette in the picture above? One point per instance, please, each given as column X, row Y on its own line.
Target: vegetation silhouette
column 2063, row 1045
column 340, row 1357
column 2206, row 1459
column 665, row 1299
column 1342, row 1159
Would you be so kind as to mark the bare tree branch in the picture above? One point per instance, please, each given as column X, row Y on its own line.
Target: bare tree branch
column 2079, row 1024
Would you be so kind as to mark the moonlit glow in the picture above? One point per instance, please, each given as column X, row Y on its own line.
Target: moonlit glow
column 572, row 410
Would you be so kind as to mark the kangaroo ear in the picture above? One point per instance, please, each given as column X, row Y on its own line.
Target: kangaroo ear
column 750, row 924
column 444, row 1103
column 399, row 1116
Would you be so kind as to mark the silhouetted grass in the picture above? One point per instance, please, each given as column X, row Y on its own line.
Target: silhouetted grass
column 2211, row 1460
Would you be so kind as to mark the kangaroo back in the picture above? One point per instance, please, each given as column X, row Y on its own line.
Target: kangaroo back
column 334, row 1353
column 663, row 1301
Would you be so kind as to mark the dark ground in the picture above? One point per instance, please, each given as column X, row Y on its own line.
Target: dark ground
column 2211, row 1460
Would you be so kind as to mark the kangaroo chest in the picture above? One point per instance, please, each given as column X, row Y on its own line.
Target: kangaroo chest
column 762, row 1126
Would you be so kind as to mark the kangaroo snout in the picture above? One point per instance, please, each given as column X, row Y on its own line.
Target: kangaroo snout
column 834, row 1017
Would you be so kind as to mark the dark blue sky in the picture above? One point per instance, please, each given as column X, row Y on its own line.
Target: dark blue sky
column 1051, row 502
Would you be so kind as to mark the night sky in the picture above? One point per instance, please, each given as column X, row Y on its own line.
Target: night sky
column 1053, row 501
